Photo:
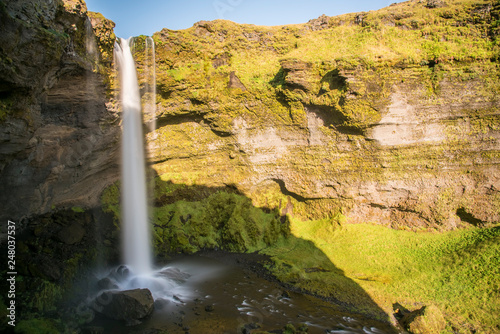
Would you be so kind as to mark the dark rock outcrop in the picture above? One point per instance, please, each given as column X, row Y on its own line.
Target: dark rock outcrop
column 58, row 137
column 130, row 306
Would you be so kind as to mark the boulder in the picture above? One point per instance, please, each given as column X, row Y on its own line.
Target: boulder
column 130, row 305
column 297, row 74
column 71, row 234
column 235, row 82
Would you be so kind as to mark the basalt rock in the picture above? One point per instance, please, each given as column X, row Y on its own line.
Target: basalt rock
column 427, row 319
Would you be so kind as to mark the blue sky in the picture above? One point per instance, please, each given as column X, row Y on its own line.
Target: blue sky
column 144, row 17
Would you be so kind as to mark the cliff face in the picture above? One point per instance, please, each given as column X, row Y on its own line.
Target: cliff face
column 388, row 117
column 58, row 138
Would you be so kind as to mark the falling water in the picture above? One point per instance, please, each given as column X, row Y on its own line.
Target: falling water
column 150, row 103
column 136, row 239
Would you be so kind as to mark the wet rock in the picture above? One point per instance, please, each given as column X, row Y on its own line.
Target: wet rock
column 106, row 284
column 175, row 274
column 209, row 308
column 130, row 306
column 122, row 272
column 45, row 267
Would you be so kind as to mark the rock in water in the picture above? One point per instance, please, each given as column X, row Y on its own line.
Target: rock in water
column 129, row 305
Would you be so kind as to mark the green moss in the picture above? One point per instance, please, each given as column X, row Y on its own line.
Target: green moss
column 48, row 295
column 38, row 326
column 222, row 220
column 110, row 200
column 71, row 268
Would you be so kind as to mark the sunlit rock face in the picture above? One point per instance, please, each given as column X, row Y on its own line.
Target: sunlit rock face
column 392, row 131
column 401, row 131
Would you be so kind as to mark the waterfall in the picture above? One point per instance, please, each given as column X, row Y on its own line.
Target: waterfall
column 150, row 72
column 137, row 253
column 135, row 229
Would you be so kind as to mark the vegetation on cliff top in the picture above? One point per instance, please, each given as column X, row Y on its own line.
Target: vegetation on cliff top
column 194, row 64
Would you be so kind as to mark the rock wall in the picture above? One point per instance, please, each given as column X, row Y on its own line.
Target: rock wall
column 58, row 132
column 390, row 117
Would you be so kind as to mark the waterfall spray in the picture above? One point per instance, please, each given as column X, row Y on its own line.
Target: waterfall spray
column 136, row 235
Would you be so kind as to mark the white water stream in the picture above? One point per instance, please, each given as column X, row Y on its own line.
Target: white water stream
column 136, row 235
column 138, row 271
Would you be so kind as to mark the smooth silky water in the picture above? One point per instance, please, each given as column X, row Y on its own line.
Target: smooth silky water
column 198, row 294
column 213, row 293
column 135, row 229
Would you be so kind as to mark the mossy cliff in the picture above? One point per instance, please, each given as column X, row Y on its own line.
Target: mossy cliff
column 388, row 117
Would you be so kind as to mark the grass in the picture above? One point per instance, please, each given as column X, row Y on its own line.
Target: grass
column 457, row 271
column 38, row 326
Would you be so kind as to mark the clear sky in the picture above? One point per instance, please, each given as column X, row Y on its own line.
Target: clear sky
column 144, row 17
